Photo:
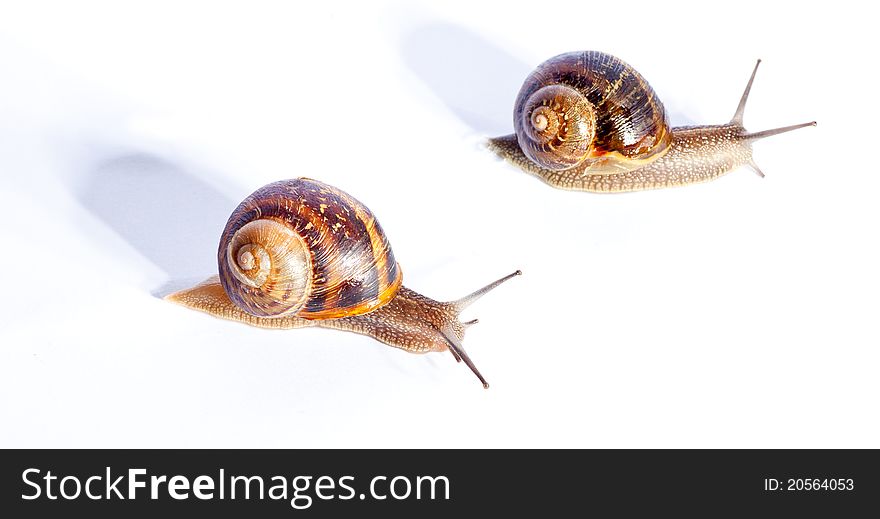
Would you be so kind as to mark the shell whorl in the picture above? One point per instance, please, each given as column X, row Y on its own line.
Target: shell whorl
column 559, row 125
column 272, row 264
column 301, row 247
column 592, row 109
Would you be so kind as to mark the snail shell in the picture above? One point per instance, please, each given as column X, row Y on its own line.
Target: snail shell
column 590, row 109
column 303, row 248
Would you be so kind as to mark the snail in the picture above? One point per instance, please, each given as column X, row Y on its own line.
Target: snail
column 300, row 253
column 587, row 121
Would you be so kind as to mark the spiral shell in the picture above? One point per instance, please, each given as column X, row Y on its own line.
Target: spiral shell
column 590, row 109
column 301, row 247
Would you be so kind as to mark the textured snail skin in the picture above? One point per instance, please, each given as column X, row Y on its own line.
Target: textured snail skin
column 688, row 155
column 696, row 155
column 300, row 253
column 410, row 321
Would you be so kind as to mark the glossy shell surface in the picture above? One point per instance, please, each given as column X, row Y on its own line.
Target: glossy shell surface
column 301, row 247
column 594, row 97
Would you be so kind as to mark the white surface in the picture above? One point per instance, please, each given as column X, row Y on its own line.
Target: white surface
column 739, row 313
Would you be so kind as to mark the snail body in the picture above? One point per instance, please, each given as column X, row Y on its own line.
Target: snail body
column 587, row 121
column 300, row 253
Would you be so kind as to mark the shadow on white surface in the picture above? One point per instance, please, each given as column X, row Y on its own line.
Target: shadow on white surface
column 170, row 216
column 477, row 80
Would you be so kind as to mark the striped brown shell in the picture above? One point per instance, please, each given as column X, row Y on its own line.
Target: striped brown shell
column 590, row 109
column 301, row 247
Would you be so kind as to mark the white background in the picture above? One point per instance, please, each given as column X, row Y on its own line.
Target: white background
column 739, row 313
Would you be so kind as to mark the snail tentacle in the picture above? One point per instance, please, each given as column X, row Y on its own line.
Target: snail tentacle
column 460, row 354
column 737, row 118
